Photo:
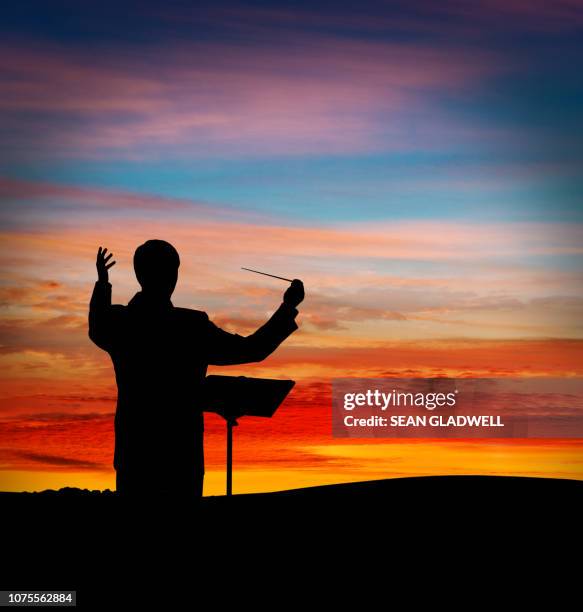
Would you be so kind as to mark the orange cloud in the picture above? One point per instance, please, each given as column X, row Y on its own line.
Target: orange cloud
column 364, row 315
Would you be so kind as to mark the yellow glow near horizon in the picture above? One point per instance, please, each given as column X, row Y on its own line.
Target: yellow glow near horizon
column 354, row 463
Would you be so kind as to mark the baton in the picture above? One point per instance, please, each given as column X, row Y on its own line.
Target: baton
column 265, row 274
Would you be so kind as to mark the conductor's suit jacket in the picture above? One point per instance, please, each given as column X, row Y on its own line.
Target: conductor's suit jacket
column 160, row 354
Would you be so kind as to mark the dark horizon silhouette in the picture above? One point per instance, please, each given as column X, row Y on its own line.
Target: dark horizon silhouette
column 242, row 547
column 160, row 355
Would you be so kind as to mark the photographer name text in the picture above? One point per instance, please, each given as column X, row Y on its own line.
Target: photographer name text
column 433, row 420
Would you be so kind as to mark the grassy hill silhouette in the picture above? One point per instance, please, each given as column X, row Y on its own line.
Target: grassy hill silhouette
column 472, row 489
column 93, row 543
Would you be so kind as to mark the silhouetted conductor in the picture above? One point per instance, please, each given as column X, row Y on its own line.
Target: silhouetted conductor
column 160, row 354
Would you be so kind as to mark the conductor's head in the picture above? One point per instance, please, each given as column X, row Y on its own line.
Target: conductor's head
column 156, row 264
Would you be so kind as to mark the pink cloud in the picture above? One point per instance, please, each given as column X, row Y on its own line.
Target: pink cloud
column 30, row 191
column 310, row 95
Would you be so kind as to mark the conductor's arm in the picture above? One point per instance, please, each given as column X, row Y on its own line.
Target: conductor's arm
column 224, row 348
column 100, row 311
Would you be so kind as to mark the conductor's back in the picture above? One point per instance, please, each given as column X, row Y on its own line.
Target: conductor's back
column 160, row 354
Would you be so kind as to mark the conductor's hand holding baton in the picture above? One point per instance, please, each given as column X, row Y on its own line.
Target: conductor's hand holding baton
column 294, row 294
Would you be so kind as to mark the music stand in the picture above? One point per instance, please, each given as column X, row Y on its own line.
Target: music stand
column 233, row 397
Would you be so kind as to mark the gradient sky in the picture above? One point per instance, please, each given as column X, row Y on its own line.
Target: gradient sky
column 417, row 164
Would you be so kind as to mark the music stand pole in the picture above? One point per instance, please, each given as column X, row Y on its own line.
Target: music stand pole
column 231, row 422
column 233, row 397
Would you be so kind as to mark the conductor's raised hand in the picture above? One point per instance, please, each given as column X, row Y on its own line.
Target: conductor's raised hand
column 294, row 294
column 103, row 264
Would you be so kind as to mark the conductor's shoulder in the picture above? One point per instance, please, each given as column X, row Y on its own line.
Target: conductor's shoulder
column 191, row 315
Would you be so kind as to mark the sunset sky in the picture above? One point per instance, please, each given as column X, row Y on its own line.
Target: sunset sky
column 418, row 164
